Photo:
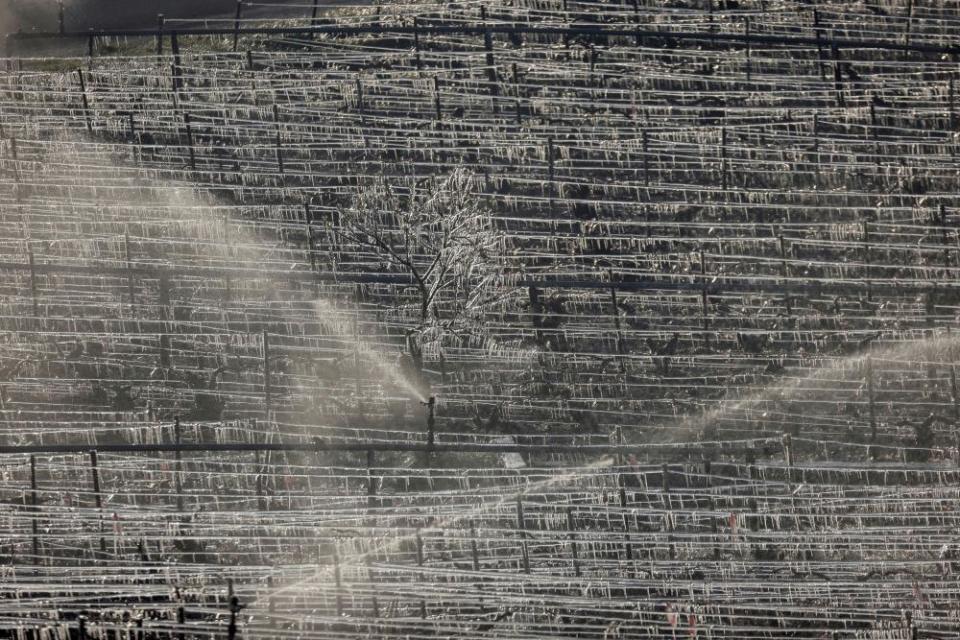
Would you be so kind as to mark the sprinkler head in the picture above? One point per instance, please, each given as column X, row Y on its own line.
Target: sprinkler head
column 430, row 402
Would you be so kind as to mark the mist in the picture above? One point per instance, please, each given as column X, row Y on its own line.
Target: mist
column 80, row 15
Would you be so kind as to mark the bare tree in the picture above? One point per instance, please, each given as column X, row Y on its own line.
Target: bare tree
column 437, row 232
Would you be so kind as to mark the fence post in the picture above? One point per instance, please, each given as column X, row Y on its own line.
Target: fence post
column 491, row 62
column 536, row 308
column 704, row 298
column 551, row 171
column 474, row 552
column 97, row 498
column 516, row 92
column 276, row 124
column 574, row 547
column 522, row 532
column 627, row 546
column 746, row 33
column 267, row 399
column 236, row 24
column 84, row 99
column 178, row 464
column 438, row 109
column 159, row 34
column 785, row 274
column 907, row 30
column 371, row 481
column 866, row 258
column 189, row 132
column 819, row 35
column 34, row 510
column 616, row 319
column 128, row 259
column 646, row 158
column 837, row 75
column 870, row 398
column 235, row 608
column 423, row 602
column 33, row 281
column 951, row 98
column 724, row 181
column 416, row 44
column 338, row 578
column 816, row 151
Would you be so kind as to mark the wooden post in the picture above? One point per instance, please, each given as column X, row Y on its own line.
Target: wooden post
column 360, row 106
column 819, row 35
column 746, row 33
column 423, row 603
column 516, row 93
column 723, row 158
column 785, row 274
column 189, row 132
column 97, row 498
column 165, row 351
column 954, row 396
column 866, row 258
column 338, row 579
column 83, row 97
column 870, row 399
column 258, row 481
column 34, row 509
column 416, row 44
column 267, row 399
column 646, row 158
column 371, row 481
column 522, row 532
column 704, row 298
column 907, row 30
column 951, row 98
column 627, row 546
column 536, row 309
column 551, row 171
column 178, row 464
column 175, row 50
column 279, row 141
column 616, row 318
column 33, row 281
column 574, row 548
column 837, row 75
column 816, row 150
column 437, row 107
column 234, row 610
column 236, row 24
column 159, row 34
column 474, row 553
column 128, row 259
column 491, row 62
column 181, row 620
column 714, row 528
